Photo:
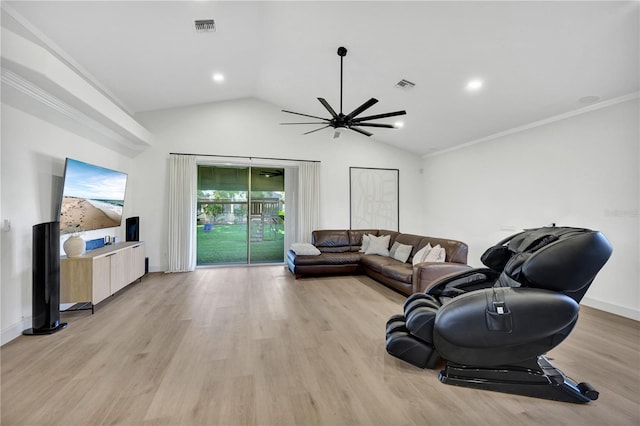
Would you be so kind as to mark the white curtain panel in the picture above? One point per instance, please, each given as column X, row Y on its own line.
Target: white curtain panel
column 308, row 200
column 182, row 213
column 291, row 205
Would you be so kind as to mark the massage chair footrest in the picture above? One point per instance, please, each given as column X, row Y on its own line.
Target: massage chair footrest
column 401, row 344
column 542, row 381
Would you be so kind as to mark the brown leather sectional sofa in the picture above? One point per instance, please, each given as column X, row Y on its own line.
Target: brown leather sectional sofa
column 340, row 255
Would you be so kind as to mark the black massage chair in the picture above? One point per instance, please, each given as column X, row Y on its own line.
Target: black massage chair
column 493, row 325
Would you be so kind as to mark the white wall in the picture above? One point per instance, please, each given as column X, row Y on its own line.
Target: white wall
column 33, row 155
column 581, row 171
column 249, row 127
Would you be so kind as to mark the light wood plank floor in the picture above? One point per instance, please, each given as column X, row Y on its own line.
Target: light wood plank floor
column 251, row 345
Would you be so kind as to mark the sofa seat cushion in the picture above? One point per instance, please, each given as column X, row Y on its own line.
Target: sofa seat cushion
column 388, row 267
column 376, row 262
column 399, row 271
column 345, row 258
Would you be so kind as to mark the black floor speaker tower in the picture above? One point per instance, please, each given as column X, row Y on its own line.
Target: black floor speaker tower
column 133, row 229
column 46, row 280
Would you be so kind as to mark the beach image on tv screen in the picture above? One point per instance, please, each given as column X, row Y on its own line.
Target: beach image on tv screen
column 92, row 197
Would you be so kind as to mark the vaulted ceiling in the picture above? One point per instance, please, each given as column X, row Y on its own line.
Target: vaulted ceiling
column 536, row 59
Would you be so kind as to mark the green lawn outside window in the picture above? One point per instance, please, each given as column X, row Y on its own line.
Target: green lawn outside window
column 228, row 244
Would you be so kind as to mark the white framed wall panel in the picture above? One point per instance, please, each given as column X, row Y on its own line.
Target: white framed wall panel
column 374, row 195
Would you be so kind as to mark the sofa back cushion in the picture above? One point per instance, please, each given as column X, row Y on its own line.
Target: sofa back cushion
column 331, row 241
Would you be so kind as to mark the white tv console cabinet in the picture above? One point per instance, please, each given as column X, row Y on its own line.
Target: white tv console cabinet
column 97, row 274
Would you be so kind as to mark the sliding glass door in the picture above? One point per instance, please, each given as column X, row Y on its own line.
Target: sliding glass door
column 240, row 215
column 223, row 197
column 266, row 215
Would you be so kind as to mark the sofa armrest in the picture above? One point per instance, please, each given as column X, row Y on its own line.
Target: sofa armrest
column 427, row 273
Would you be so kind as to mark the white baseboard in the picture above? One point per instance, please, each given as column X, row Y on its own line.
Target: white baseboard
column 611, row 308
column 14, row 330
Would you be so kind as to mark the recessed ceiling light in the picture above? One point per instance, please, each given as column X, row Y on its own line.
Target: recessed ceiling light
column 218, row 78
column 475, row 84
column 398, row 124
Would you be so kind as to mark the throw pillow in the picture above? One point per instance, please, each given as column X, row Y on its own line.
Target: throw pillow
column 421, row 254
column 394, row 247
column 401, row 252
column 436, row 254
column 365, row 243
column 378, row 245
column 305, row 249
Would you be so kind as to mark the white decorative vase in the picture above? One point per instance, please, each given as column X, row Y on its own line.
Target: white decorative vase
column 74, row 246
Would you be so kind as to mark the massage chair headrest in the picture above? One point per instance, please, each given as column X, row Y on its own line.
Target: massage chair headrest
column 560, row 259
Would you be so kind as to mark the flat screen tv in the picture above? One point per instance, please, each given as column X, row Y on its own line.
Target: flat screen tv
column 92, row 197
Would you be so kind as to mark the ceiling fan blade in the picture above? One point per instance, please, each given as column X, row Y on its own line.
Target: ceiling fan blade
column 305, row 115
column 315, row 122
column 375, row 117
column 328, row 107
column 386, row 126
column 371, row 102
column 316, row 130
column 364, row 132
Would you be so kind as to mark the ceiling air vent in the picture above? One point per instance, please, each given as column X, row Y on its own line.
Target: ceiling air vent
column 405, row 84
column 204, row 25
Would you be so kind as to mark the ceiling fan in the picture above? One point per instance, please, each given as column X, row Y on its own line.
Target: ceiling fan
column 350, row 121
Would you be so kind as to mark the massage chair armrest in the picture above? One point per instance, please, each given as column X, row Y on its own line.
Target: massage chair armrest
column 503, row 325
column 464, row 281
column 427, row 273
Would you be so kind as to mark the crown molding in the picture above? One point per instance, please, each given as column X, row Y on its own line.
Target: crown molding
column 34, row 92
column 29, row 30
column 543, row 122
column 35, row 79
